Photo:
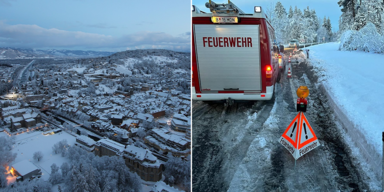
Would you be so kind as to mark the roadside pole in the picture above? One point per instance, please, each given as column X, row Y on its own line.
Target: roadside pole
column 383, row 166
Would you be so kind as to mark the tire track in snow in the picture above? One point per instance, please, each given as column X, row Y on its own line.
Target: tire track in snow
column 222, row 141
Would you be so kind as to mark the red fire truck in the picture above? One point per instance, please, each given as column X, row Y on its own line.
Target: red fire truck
column 232, row 54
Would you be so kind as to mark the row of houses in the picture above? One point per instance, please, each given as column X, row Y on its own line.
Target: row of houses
column 168, row 142
column 139, row 160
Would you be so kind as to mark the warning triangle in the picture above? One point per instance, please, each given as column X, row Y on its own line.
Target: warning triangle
column 306, row 133
column 290, row 133
column 299, row 137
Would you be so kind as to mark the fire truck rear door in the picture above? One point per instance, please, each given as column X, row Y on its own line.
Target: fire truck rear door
column 228, row 66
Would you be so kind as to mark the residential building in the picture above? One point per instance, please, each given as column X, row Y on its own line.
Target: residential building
column 143, row 162
column 85, row 143
column 180, row 123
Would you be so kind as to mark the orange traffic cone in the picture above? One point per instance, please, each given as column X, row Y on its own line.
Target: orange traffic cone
column 289, row 59
column 289, row 73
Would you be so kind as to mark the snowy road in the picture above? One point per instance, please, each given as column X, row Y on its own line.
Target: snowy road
column 23, row 75
column 237, row 148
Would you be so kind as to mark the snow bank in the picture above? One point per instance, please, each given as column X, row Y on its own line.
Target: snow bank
column 366, row 39
column 355, row 87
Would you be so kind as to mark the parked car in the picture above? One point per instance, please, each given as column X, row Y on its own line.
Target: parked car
column 281, row 62
column 293, row 43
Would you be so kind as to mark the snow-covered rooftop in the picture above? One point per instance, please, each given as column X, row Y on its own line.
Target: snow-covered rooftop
column 115, row 146
column 24, row 167
column 181, row 117
column 171, row 137
column 86, row 140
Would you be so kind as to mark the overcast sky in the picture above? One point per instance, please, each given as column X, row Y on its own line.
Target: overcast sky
column 328, row 8
column 115, row 25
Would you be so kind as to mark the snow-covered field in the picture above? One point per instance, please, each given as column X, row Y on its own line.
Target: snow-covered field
column 123, row 69
column 29, row 143
column 79, row 70
column 356, row 82
column 129, row 62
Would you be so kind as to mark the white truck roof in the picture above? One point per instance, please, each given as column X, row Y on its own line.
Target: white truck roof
column 219, row 12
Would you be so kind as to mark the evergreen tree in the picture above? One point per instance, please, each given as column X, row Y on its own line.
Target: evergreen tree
column 299, row 13
column 348, row 15
column 374, row 9
column 280, row 11
column 360, row 21
column 322, row 31
column 329, row 29
column 308, row 27
column 290, row 13
column 315, row 20
column 307, row 13
column 280, row 22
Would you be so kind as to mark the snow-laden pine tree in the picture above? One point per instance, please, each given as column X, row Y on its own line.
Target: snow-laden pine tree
column 280, row 22
column 55, row 177
column 315, row 21
column 321, row 32
column 290, row 12
column 298, row 12
column 308, row 27
column 325, row 31
column 295, row 25
column 307, row 13
column 374, row 12
column 64, row 169
column 360, row 20
column 348, row 15
column 329, row 29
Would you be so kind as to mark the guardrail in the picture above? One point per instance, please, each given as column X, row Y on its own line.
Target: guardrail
column 307, row 45
column 303, row 45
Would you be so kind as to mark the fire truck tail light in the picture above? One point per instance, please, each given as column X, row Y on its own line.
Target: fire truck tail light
column 268, row 71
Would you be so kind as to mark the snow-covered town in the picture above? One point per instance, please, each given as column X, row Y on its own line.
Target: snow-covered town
column 130, row 109
column 318, row 126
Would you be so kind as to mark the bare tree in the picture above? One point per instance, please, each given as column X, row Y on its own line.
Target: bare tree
column 38, row 155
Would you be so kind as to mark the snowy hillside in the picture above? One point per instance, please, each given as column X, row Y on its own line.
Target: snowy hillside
column 124, row 62
column 16, row 53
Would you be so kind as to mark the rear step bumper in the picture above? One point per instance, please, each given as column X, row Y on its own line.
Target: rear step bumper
column 234, row 96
